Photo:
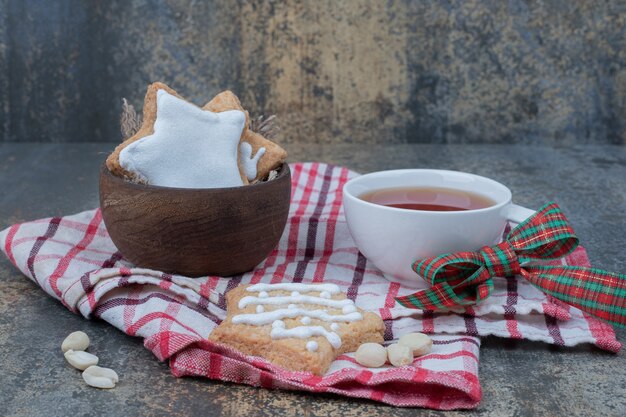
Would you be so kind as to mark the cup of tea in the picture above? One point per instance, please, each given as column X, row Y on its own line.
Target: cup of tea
column 401, row 216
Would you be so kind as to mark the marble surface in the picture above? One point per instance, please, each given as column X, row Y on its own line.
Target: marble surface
column 519, row 378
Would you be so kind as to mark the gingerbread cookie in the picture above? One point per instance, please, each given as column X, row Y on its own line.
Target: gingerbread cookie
column 182, row 145
column 269, row 154
column 302, row 327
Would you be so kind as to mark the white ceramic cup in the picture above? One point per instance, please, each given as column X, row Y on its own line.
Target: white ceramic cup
column 394, row 238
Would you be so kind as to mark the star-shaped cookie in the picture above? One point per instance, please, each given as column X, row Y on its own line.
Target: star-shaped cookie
column 181, row 145
column 252, row 143
column 189, row 148
column 184, row 160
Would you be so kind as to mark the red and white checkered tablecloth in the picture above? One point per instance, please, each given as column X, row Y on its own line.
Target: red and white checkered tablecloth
column 74, row 261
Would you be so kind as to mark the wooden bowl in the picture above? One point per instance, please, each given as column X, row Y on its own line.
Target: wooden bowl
column 195, row 232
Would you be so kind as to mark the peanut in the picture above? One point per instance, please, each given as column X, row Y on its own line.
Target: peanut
column 75, row 341
column 399, row 355
column 98, row 377
column 371, row 355
column 79, row 359
column 419, row 343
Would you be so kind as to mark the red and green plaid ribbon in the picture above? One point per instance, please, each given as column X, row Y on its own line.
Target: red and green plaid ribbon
column 465, row 278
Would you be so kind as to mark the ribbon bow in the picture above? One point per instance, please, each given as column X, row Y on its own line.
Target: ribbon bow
column 465, row 278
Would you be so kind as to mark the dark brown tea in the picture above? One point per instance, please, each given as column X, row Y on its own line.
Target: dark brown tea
column 428, row 199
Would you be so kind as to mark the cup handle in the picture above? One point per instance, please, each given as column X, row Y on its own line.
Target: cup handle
column 517, row 213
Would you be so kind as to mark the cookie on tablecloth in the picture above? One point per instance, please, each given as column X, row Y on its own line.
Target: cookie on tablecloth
column 302, row 327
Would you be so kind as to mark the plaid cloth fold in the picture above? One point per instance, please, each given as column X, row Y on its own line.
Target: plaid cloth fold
column 73, row 260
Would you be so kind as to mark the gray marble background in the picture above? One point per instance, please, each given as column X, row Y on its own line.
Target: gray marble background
column 458, row 71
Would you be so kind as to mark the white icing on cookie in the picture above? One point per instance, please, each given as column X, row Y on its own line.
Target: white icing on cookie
column 190, row 147
column 304, row 332
column 247, row 161
column 295, row 286
column 260, row 319
column 300, row 299
column 289, row 309
column 260, row 309
column 348, row 309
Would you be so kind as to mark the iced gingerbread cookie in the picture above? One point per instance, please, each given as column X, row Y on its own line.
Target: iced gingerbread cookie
column 182, row 145
column 269, row 154
column 302, row 327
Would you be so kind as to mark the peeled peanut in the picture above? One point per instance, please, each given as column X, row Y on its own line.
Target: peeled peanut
column 98, row 377
column 75, row 341
column 371, row 355
column 419, row 343
column 399, row 355
column 79, row 359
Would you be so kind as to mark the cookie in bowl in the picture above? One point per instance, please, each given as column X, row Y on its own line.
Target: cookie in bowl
column 182, row 145
column 195, row 191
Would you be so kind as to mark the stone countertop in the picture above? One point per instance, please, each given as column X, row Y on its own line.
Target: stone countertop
column 518, row 377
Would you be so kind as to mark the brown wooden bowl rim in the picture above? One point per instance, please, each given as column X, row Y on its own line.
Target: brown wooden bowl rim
column 283, row 171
